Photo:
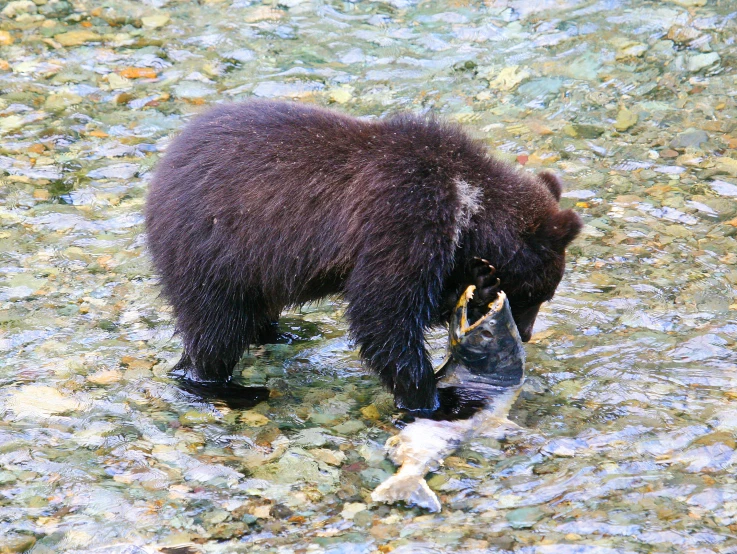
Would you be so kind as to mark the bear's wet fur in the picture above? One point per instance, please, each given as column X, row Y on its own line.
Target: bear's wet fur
column 260, row 206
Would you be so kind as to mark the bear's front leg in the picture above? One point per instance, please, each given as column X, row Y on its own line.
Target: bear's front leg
column 406, row 237
column 391, row 299
column 388, row 320
column 392, row 345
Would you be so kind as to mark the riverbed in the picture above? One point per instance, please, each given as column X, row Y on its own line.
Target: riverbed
column 630, row 406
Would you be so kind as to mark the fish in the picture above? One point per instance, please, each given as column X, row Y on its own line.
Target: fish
column 485, row 358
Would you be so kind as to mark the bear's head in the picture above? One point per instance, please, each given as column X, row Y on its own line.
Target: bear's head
column 535, row 268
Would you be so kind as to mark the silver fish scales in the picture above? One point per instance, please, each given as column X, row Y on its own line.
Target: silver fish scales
column 485, row 356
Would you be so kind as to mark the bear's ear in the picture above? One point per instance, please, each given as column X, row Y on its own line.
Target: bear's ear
column 560, row 229
column 553, row 183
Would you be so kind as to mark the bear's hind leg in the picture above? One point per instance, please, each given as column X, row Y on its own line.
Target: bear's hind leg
column 216, row 329
column 269, row 333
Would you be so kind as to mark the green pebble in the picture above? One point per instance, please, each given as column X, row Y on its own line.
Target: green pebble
column 193, row 417
column 20, row 543
column 437, row 480
column 522, row 518
column 349, row 427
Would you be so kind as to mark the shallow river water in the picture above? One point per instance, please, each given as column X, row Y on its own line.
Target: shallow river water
column 630, row 408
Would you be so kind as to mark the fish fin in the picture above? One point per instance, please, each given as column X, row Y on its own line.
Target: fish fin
column 457, row 403
column 499, row 427
column 512, row 426
column 443, row 368
column 410, row 489
column 392, row 446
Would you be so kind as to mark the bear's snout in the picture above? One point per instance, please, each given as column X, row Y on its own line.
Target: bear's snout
column 525, row 321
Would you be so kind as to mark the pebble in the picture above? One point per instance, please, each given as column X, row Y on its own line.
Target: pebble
column 563, row 448
column 131, row 362
column 216, row 516
column 312, row 436
column 724, row 188
column 509, row 78
column 61, row 100
column 543, row 158
column 727, row 165
column 723, row 437
column 580, row 130
column 138, row 73
column 689, row 3
column 155, row 21
column 579, row 194
column 193, row 417
column 350, row 510
column 585, row 67
column 625, row 120
column 363, row 518
column 690, row 160
column 263, row 13
column 121, row 171
column 522, row 518
column 76, row 38
column 18, row 7
column 568, row 388
column 192, row 89
column 41, row 401
column 254, row 419
column 105, row 377
column 341, row 95
column 690, row 138
column 262, row 512
column 330, row 457
column 117, row 82
column 241, row 55
column 540, row 88
column 683, row 35
column 350, row 427
column 630, row 49
column 18, row 543
column 698, row 62
column 370, row 412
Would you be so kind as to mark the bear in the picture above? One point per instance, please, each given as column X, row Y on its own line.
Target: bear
column 263, row 205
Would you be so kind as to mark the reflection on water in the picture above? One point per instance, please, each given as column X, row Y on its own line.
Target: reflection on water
column 631, row 404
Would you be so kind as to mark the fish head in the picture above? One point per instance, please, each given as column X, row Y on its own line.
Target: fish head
column 490, row 349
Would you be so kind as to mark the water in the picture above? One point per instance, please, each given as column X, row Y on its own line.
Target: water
column 631, row 401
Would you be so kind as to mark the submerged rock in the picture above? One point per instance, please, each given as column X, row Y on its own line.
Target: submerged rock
column 522, row 518
column 625, row 120
column 690, row 138
column 40, row 401
column 76, row 38
column 724, row 188
column 699, row 62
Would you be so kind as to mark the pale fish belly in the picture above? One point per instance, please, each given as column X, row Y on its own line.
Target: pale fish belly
column 422, row 446
column 485, row 356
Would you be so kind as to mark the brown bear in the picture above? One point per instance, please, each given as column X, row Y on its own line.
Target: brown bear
column 263, row 205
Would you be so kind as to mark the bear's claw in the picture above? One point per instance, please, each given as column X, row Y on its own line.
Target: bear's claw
column 487, row 287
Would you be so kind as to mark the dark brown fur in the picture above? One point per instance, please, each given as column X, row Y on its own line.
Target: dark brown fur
column 264, row 205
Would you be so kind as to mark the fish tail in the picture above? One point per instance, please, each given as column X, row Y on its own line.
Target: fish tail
column 411, row 489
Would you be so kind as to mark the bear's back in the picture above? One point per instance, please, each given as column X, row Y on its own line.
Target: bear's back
column 275, row 190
